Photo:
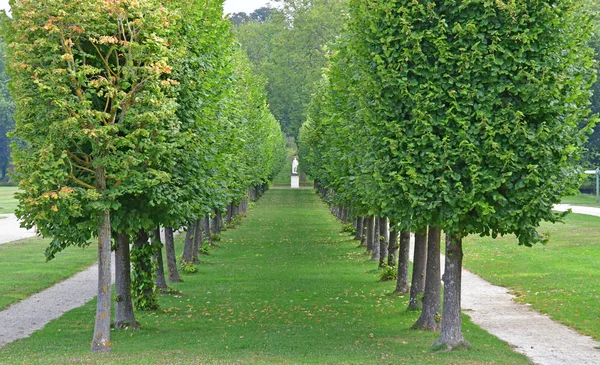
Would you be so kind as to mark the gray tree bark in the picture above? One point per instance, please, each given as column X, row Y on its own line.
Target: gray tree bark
column 376, row 245
column 198, row 241
column 124, row 315
column 403, row 263
column 370, row 232
column 430, row 315
column 101, row 339
column 363, row 230
column 451, row 333
column 383, row 241
column 359, row 226
column 160, row 280
column 419, row 265
column 393, row 245
column 171, row 257
column 188, row 246
column 206, row 228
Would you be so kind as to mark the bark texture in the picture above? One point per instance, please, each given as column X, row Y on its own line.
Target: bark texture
column 160, row 280
column 359, row 227
column 403, row 263
column 375, row 253
column 393, row 246
column 370, row 233
column 171, row 257
column 419, row 265
column 451, row 333
column 188, row 246
column 383, row 241
column 101, row 340
column 124, row 315
column 198, row 242
column 430, row 315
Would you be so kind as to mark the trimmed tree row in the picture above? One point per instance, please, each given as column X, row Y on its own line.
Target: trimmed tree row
column 134, row 115
column 461, row 117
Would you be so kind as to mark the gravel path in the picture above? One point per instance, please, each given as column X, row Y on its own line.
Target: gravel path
column 21, row 319
column 490, row 307
column 535, row 335
column 10, row 229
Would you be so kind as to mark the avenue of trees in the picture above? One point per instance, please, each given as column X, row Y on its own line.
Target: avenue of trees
column 287, row 46
column 455, row 117
column 134, row 115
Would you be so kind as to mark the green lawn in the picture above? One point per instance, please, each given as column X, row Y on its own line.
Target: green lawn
column 581, row 199
column 8, row 203
column 24, row 270
column 560, row 278
column 285, row 287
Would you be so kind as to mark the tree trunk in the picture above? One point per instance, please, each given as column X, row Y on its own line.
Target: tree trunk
column 124, row 315
column 370, row 233
column 359, row 227
column 101, row 340
column 363, row 235
column 219, row 225
column 171, row 256
column 206, row 228
column 161, row 283
column 393, row 245
column 403, row 263
column 429, row 319
column 142, row 278
column 188, row 246
column 451, row 334
column 383, row 241
column 375, row 254
column 419, row 265
column 198, row 242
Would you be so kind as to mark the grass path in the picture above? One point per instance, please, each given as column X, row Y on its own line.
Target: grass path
column 285, row 287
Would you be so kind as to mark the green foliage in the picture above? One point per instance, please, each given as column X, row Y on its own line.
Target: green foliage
column 288, row 49
column 460, row 116
column 188, row 267
column 349, row 228
column 93, row 108
column 204, row 250
column 143, row 275
column 388, row 273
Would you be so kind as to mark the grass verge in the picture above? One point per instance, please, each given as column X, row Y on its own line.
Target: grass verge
column 24, row 270
column 559, row 278
column 285, row 287
column 8, row 203
column 581, row 199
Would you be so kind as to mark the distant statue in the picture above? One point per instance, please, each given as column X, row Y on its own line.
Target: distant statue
column 295, row 166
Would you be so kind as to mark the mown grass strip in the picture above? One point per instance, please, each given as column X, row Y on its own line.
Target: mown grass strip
column 8, row 203
column 285, row 287
column 559, row 279
column 24, row 270
column 581, row 199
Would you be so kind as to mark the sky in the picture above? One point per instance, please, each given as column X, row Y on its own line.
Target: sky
column 231, row 6
column 236, row 6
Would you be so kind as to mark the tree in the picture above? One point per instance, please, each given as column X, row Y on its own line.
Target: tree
column 480, row 106
column 465, row 116
column 91, row 86
column 287, row 49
